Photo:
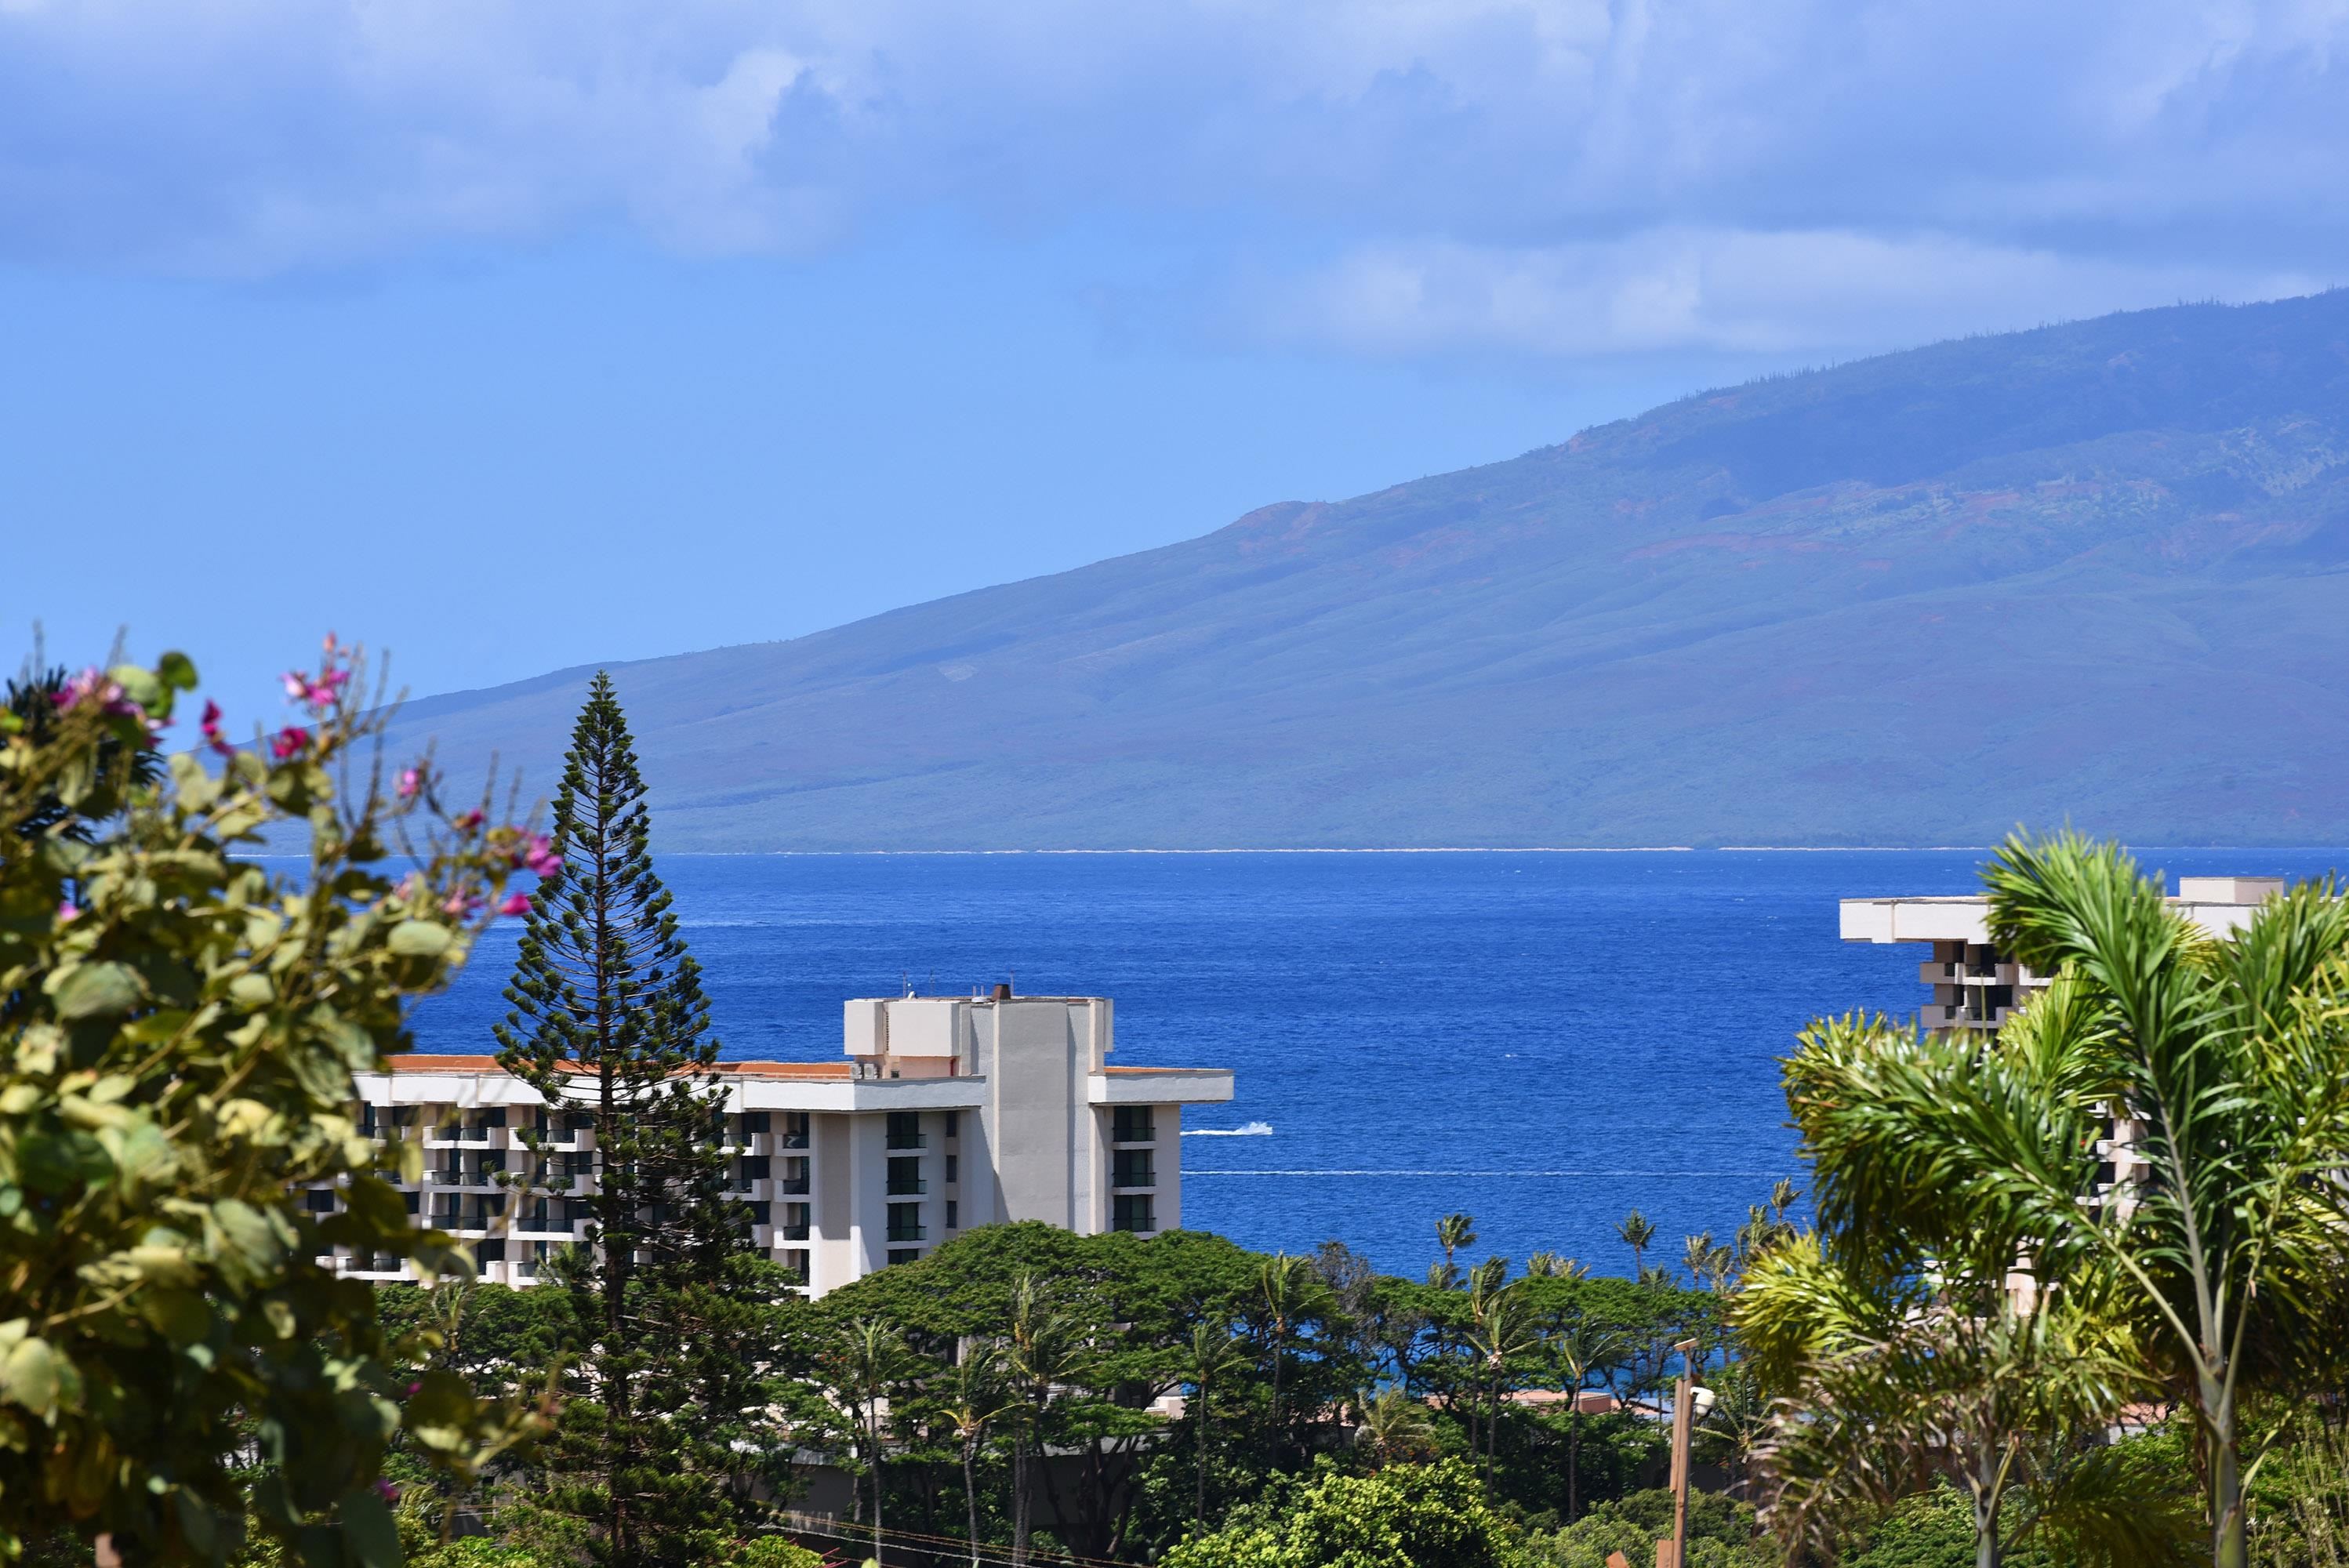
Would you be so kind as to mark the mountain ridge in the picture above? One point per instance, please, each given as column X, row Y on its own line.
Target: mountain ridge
column 1918, row 597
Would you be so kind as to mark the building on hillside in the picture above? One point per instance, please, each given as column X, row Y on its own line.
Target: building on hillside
column 947, row 1113
column 1974, row 985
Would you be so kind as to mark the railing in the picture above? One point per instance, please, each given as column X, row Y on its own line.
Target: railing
column 906, row 1233
column 795, row 1186
column 1132, row 1176
column 793, row 1232
column 909, row 1140
column 907, row 1187
column 791, row 1140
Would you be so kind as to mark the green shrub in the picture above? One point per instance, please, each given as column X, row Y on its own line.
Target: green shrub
column 1722, row 1534
column 1407, row 1516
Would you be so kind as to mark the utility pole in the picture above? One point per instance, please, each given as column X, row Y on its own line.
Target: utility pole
column 1688, row 1402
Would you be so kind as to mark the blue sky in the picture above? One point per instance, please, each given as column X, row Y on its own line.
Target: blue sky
column 511, row 336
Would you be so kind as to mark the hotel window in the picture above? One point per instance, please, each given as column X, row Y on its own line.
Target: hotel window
column 951, row 1164
column 1132, row 1212
column 795, row 1173
column 906, row 1176
column 319, row 1201
column 954, row 1215
column 903, row 1255
column 1132, row 1167
column 954, row 1123
column 905, row 1222
column 1134, row 1124
column 795, row 1221
column 795, row 1130
column 905, row 1130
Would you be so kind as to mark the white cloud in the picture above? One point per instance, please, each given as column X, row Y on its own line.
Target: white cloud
column 1726, row 291
column 1545, row 173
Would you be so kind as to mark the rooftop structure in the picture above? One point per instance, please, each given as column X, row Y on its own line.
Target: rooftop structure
column 946, row 1113
column 1974, row 985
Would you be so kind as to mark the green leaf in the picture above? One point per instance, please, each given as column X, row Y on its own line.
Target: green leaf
column 418, row 939
column 369, row 1530
column 177, row 670
column 178, row 1315
column 32, row 1375
column 94, row 990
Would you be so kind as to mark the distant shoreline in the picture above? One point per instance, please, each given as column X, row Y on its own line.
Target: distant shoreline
column 1515, row 849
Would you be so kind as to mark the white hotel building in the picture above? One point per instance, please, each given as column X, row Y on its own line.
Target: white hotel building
column 1974, row 985
column 946, row 1113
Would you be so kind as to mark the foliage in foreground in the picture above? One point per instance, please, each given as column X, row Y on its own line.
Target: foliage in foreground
column 2217, row 1250
column 181, row 1028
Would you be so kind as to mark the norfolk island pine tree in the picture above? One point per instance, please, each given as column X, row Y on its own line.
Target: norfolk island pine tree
column 609, row 1020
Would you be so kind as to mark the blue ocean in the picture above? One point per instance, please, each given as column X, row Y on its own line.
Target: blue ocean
column 1543, row 1040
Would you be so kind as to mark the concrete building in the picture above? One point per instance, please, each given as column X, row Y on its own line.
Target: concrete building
column 946, row 1114
column 1974, row 985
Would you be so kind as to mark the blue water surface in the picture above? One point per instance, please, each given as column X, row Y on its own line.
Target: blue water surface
column 1543, row 1040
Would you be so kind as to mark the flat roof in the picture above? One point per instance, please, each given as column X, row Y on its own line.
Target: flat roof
column 432, row 1062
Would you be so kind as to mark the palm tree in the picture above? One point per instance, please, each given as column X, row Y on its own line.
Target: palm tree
column 1551, row 1265
column 1887, row 1379
column 975, row 1398
column 1581, row 1349
column 1637, row 1231
column 1286, row 1283
column 1395, row 1427
column 2226, row 1063
column 1048, row 1350
column 1709, row 1266
column 1504, row 1331
column 867, row 1358
column 1452, row 1233
column 1213, row 1353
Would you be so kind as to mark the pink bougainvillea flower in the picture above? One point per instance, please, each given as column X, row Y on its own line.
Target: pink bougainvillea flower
column 411, row 780
column 67, row 910
column 536, row 854
column 470, row 820
column 212, row 728
column 93, row 684
column 515, row 903
column 462, row 904
column 289, row 741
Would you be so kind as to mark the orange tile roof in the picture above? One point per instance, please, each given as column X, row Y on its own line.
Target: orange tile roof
column 428, row 1062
